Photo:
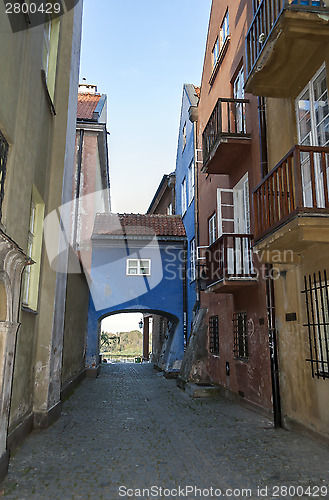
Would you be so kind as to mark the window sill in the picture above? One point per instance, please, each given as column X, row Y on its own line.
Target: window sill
column 243, row 360
column 138, row 275
column 215, row 355
column 220, row 58
column 27, row 309
column 49, row 99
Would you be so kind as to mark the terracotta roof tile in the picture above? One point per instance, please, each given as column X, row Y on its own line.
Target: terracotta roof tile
column 197, row 91
column 139, row 225
column 87, row 104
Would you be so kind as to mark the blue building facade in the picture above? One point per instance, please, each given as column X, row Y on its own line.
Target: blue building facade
column 186, row 185
column 137, row 266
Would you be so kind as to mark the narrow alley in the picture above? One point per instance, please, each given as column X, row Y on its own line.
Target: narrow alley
column 132, row 429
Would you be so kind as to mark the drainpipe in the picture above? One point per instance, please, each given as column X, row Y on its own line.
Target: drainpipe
column 185, row 293
column 262, row 136
column 196, row 205
column 273, row 343
column 76, row 208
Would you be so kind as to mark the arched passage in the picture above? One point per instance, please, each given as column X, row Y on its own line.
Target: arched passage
column 158, row 335
column 138, row 265
column 172, row 346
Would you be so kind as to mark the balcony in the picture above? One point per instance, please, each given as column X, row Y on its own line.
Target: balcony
column 291, row 204
column 225, row 137
column 229, row 265
column 284, row 36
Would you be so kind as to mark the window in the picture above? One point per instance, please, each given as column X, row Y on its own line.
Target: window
column 240, row 336
column 184, row 136
column 50, row 51
column 212, row 229
column 169, row 209
column 138, row 267
column 317, row 310
column 191, row 183
column 183, row 195
column 192, row 260
column 34, row 246
column 238, row 93
column 312, row 111
column 213, row 335
column 224, row 31
column 4, row 147
column 215, row 53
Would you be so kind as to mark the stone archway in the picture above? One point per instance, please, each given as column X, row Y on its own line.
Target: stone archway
column 172, row 322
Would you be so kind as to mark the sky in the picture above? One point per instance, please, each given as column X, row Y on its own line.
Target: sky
column 140, row 53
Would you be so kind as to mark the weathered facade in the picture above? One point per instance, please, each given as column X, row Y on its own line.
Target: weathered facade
column 90, row 195
column 163, row 203
column 289, row 68
column 137, row 267
column 37, row 124
column 233, row 300
column 186, row 193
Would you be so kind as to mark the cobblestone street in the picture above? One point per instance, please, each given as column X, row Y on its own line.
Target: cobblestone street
column 133, row 428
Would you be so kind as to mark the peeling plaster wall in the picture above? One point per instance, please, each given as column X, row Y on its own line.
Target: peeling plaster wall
column 250, row 379
column 304, row 399
column 75, row 330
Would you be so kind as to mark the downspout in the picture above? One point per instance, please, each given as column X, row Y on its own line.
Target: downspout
column 273, row 343
column 185, row 293
column 262, row 136
column 196, row 206
column 76, row 207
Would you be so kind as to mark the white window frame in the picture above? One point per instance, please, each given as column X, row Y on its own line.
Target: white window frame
column 184, row 136
column 212, row 229
column 192, row 260
column 238, row 93
column 215, row 53
column 138, row 267
column 224, row 30
column 183, row 196
column 191, row 183
column 311, row 139
column 169, row 209
column 29, row 253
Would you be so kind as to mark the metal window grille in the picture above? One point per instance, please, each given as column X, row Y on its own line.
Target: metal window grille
column 213, row 335
column 317, row 309
column 4, row 146
column 240, row 335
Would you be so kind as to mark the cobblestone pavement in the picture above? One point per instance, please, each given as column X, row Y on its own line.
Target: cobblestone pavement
column 132, row 428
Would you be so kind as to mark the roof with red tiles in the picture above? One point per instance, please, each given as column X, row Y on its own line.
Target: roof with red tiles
column 139, row 225
column 197, row 91
column 87, row 104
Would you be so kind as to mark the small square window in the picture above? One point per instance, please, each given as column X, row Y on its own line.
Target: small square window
column 138, row 267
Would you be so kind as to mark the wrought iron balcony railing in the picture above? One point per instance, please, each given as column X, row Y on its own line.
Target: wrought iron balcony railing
column 299, row 182
column 230, row 258
column 265, row 19
column 228, row 119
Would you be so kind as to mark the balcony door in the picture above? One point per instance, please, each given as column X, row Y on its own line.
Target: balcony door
column 313, row 130
column 233, row 208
